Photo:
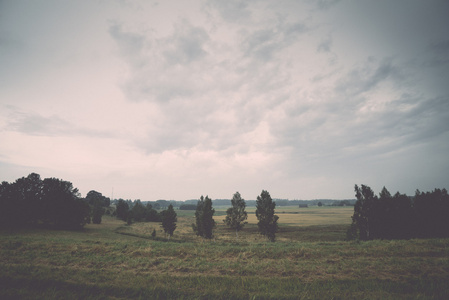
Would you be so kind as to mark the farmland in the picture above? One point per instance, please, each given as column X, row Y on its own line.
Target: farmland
column 309, row 260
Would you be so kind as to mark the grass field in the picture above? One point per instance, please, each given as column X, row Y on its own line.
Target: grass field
column 309, row 260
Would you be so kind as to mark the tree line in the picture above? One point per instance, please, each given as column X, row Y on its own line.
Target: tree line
column 31, row 201
column 425, row 215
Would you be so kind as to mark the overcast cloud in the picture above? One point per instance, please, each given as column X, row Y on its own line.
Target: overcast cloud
column 178, row 99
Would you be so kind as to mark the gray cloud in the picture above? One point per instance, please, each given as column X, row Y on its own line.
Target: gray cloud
column 37, row 125
column 131, row 45
column 366, row 77
column 186, row 45
column 232, row 10
column 325, row 44
column 264, row 43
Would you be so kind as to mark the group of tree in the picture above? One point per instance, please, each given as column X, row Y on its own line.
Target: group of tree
column 97, row 202
column 137, row 213
column 236, row 216
column 31, row 201
column 146, row 213
column 204, row 218
column 399, row 217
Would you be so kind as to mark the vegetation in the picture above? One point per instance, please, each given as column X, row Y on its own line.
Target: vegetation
column 169, row 220
column 399, row 216
column 113, row 260
column 204, row 221
column 236, row 215
column 265, row 214
column 31, row 201
column 312, row 258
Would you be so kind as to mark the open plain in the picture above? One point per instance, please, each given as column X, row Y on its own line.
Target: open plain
column 309, row 260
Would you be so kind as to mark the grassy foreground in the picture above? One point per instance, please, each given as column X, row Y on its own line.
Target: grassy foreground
column 112, row 260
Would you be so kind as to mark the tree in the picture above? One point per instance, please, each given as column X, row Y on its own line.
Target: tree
column 122, row 209
column 169, row 220
column 265, row 214
column 204, row 221
column 151, row 214
column 362, row 222
column 97, row 213
column 138, row 211
column 236, row 215
column 320, row 204
column 62, row 204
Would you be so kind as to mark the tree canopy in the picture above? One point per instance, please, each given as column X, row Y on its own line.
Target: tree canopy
column 204, row 221
column 31, row 201
column 236, row 215
column 169, row 219
column 265, row 214
column 399, row 216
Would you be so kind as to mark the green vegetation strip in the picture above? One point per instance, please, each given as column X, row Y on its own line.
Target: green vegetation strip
column 73, row 265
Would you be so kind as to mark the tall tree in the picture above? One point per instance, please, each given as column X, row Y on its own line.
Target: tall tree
column 236, row 215
column 169, row 220
column 363, row 212
column 204, row 221
column 265, row 214
column 122, row 209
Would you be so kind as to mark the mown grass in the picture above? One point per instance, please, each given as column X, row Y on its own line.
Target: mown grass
column 113, row 260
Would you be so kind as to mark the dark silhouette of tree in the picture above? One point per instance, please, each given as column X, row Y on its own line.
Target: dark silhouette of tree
column 236, row 215
column 138, row 211
column 204, row 221
column 399, row 216
column 169, row 220
column 432, row 210
column 63, row 208
column 363, row 211
column 95, row 198
column 320, row 204
column 151, row 214
column 265, row 214
column 122, row 210
column 97, row 214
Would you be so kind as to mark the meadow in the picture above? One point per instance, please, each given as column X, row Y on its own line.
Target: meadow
column 309, row 260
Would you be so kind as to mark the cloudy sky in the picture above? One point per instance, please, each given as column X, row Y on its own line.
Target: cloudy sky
column 178, row 99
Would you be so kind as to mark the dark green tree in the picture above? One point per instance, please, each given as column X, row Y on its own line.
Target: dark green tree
column 97, row 213
column 364, row 208
column 265, row 214
column 236, row 215
column 122, row 210
column 138, row 211
column 62, row 204
column 169, row 220
column 151, row 215
column 204, row 221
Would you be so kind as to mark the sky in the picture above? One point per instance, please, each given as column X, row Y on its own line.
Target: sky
column 177, row 99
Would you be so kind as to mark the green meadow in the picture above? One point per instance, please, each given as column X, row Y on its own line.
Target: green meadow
column 309, row 260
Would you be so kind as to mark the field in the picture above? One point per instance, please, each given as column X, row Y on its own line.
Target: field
column 309, row 260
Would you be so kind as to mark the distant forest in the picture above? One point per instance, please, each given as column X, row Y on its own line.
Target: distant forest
column 191, row 204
